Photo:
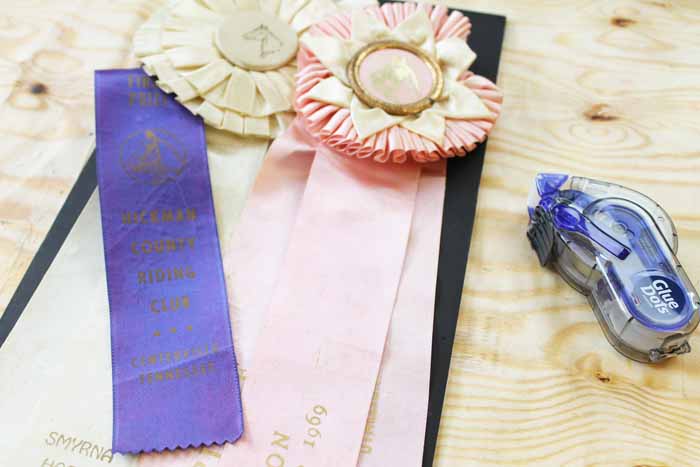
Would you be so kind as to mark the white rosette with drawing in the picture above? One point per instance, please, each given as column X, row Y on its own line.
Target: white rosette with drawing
column 232, row 62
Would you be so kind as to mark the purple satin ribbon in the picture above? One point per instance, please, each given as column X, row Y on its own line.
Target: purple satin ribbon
column 173, row 364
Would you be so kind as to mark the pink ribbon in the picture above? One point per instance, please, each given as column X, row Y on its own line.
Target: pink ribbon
column 315, row 366
column 321, row 259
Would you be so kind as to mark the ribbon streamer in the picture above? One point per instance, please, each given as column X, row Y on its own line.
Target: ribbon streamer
column 330, row 309
column 173, row 364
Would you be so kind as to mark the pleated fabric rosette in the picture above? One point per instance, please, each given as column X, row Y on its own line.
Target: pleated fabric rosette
column 242, row 84
column 459, row 119
column 339, row 241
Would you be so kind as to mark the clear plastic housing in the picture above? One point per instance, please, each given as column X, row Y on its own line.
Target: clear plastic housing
column 617, row 246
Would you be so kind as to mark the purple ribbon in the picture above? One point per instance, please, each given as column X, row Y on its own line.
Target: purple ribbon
column 173, row 364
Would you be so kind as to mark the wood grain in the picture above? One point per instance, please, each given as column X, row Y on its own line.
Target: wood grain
column 609, row 90
column 601, row 88
column 48, row 52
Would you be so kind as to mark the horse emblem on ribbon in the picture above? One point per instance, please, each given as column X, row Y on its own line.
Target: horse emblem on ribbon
column 152, row 156
column 269, row 42
column 391, row 78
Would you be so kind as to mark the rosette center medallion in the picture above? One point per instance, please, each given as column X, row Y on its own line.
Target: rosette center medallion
column 257, row 41
column 395, row 76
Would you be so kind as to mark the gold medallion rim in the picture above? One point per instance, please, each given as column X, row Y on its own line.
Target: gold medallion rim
column 395, row 109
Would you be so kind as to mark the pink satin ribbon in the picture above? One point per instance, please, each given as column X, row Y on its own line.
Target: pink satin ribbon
column 396, row 429
column 273, row 389
column 315, row 366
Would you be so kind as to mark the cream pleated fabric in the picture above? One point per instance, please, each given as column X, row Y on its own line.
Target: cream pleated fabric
column 178, row 46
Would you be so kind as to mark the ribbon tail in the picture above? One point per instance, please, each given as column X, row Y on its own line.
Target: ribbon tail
column 168, row 369
column 321, row 346
column 395, row 429
column 266, row 225
column 262, row 237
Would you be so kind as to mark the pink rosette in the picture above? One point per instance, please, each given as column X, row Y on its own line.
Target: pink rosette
column 333, row 125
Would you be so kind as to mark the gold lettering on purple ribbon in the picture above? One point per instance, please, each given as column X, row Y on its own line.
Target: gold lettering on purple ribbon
column 144, row 93
column 164, row 272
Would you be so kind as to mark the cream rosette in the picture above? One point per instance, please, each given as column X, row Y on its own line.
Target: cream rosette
column 230, row 61
column 392, row 83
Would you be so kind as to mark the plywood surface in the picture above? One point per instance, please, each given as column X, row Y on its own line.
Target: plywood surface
column 48, row 52
column 606, row 89
column 609, row 90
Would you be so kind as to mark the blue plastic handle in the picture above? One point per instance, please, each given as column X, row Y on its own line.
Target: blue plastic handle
column 566, row 217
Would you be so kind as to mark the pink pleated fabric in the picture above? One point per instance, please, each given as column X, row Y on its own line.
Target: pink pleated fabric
column 333, row 125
